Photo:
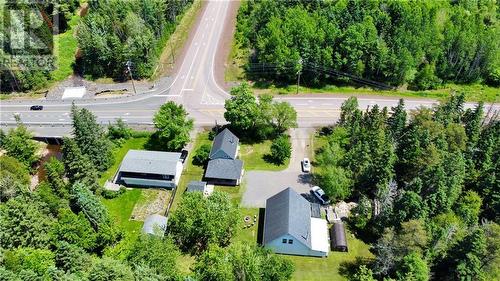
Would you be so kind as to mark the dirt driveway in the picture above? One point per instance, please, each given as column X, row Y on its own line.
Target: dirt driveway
column 260, row 185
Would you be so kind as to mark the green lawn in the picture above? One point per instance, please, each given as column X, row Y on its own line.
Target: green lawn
column 191, row 172
column 132, row 143
column 247, row 235
column 253, row 157
column 330, row 268
column 120, row 209
column 474, row 92
column 66, row 48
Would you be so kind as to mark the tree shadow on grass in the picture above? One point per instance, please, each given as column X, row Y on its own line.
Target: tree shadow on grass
column 349, row 268
column 271, row 160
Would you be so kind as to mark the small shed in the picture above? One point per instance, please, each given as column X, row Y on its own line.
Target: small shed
column 338, row 237
column 155, row 225
column 196, row 186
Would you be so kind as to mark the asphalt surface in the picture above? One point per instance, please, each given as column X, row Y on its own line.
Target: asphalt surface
column 260, row 185
column 193, row 85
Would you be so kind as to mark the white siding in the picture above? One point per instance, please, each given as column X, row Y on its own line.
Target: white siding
column 297, row 248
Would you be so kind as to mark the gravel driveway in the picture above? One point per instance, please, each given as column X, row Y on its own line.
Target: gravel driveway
column 260, row 185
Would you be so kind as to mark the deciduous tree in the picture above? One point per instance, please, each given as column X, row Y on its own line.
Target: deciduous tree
column 172, row 127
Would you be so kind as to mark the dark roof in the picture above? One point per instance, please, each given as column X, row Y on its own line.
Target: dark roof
column 315, row 210
column 224, row 146
column 288, row 213
column 227, row 169
column 196, row 186
column 150, row 162
column 338, row 235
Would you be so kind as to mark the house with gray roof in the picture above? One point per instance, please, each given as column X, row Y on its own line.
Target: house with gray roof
column 225, row 146
column 150, row 169
column 223, row 167
column 200, row 186
column 155, row 225
column 290, row 228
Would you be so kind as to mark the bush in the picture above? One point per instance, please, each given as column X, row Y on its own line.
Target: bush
column 110, row 194
column 119, row 131
column 281, row 149
column 201, row 155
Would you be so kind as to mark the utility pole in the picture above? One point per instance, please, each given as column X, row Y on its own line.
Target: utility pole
column 129, row 63
column 298, row 74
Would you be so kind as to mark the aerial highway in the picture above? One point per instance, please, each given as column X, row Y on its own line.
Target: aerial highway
column 193, row 85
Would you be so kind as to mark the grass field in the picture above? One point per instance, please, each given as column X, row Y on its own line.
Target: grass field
column 253, row 157
column 66, row 48
column 120, row 209
column 473, row 92
column 334, row 266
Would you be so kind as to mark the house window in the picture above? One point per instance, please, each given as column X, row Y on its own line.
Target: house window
column 283, row 241
column 290, row 241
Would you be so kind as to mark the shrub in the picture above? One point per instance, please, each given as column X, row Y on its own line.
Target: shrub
column 281, row 149
column 201, row 155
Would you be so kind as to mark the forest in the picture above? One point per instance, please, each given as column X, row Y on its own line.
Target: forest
column 27, row 74
column 420, row 44
column 110, row 34
column 118, row 31
column 426, row 184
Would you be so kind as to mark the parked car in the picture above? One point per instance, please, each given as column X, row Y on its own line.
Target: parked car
column 36, row 107
column 306, row 165
column 320, row 194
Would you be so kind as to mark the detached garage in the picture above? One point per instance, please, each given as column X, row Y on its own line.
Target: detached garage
column 150, row 169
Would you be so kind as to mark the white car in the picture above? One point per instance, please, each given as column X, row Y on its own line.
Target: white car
column 320, row 194
column 306, row 165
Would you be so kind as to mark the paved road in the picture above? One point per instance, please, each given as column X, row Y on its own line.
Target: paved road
column 260, row 185
column 193, row 86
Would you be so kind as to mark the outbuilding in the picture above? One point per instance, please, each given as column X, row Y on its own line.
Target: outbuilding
column 155, row 225
column 200, row 186
column 150, row 169
column 338, row 237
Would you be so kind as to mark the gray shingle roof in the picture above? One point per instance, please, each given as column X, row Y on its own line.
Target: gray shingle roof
column 155, row 224
column 150, row 162
column 288, row 213
column 224, row 146
column 196, row 186
column 226, row 169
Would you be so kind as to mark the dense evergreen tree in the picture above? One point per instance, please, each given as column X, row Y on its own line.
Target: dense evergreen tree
column 421, row 43
column 118, row 31
column 24, row 223
column 91, row 139
column 78, row 167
